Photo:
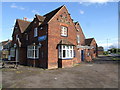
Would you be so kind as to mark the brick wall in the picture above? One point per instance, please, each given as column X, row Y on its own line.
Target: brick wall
column 43, row 59
column 54, row 37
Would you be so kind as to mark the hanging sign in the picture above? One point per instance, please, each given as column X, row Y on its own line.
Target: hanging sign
column 42, row 38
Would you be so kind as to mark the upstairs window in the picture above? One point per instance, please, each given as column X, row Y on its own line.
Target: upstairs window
column 35, row 32
column 78, row 39
column 64, row 31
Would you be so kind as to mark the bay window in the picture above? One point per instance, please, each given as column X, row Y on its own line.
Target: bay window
column 32, row 52
column 64, row 31
column 12, row 52
column 66, row 52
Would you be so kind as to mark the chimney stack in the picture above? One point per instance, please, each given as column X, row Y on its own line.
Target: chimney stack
column 25, row 19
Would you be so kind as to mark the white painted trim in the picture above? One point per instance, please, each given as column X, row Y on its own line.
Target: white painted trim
column 68, row 54
column 33, row 52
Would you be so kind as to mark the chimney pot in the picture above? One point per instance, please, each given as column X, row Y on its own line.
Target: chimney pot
column 25, row 19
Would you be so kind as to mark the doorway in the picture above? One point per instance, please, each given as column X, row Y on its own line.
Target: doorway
column 82, row 55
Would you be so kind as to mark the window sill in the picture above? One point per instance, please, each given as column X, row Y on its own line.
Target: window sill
column 63, row 36
column 66, row 58
column 32, row 58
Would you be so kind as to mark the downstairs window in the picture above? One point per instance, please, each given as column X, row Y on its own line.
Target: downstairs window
column 12, row 52
column 33, row 52
column 66, row 52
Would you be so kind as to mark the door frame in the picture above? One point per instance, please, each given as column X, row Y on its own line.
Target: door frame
column 82, row 55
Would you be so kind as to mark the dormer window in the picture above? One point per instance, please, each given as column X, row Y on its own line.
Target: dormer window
column 64, row 31
column 35, row 32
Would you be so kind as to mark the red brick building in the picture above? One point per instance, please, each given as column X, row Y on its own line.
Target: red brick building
column 100, row 50
column 51, row 41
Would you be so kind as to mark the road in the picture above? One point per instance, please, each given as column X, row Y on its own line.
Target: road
column 102, row 73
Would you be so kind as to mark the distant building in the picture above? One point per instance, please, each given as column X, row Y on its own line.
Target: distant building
column 100, row 50
column 51, row 41
column 4, row 49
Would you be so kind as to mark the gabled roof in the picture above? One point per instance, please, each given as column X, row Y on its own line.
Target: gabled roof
column 100, row 48
column 49, row 15
column 22, row 24
column 5, row 42
column 88, row 41
column 65, row 42
column 44, row 19
column 40, row 18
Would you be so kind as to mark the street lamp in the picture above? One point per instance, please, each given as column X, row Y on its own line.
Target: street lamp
column 15, row 50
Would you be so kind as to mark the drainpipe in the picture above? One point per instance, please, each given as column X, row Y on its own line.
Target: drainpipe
column 15, row 53
column 34, row 55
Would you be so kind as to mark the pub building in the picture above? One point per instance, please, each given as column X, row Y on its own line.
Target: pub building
column 51, row 41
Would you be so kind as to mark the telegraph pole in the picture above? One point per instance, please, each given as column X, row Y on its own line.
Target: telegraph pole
column 107, row 44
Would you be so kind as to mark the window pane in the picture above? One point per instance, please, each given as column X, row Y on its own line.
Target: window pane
column 63, row 31
column 70, row 47
column 67, row 47
column 64, row 53
column 60, row 46
column 70, row 53
column 35, row 32
column 67, row 53
column 63, row 47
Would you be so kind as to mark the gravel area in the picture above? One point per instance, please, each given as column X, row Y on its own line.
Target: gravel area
column 102, row 73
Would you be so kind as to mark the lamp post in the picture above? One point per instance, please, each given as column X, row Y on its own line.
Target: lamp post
column 107, row 44
column 15, row 50
column 34, row 53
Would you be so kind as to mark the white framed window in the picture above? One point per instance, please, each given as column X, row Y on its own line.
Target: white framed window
column 12, row 52
column 65, row 52
column 32, row 52
column 78, row 39
column 64, row 31
column 35, row 32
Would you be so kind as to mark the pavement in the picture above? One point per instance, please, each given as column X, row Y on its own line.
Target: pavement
column 101, row 73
